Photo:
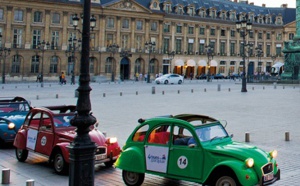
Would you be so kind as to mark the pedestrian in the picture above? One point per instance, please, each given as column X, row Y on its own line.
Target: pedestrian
column 191, row 75
column 38, row 78
column 136, row 76
column 63, row 78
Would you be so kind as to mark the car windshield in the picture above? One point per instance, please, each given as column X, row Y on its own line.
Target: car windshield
column 14, row 107
column 62, row 121
column 211, row 132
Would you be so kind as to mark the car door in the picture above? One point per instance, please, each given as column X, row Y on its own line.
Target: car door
column 184, row 160
column 45, row 137
column 173, row 79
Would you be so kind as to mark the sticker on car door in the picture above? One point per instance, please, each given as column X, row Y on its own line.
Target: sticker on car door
column 156, row 158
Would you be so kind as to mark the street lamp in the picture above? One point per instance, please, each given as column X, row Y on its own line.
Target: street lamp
column 171, row 57
column 210, row 56
column 82, row 149
column 70, row 52
column 151, row 47
column 42, row 47
column 113, row 49
column 244, row 27
column 4, row 52
column 259, row 53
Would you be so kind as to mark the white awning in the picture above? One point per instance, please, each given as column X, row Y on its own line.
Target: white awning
column 191, row 62
column 179, row 62
column 202, row 63
column 213, row 63
column 278, row 64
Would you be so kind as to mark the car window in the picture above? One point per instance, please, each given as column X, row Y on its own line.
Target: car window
column 160, row 135
column 182, row 136
column 140, row 133
column 46, row 123
column 211, row 132
column 35, row 120
column 62, row 121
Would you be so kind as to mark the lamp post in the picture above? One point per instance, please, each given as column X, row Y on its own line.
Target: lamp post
column 82, row 149
column 259, row 53
column 4, row 52
column 70, row 52
column 244, row 27
column 151, row 47
column 171, row 56
column 42, row 47
column 210, row 56
column 113, row 49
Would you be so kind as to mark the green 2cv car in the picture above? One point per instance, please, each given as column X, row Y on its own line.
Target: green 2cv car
column 194, row 148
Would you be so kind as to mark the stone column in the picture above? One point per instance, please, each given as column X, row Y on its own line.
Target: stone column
column 8, row 28
column 28, row 30
column 132, row 38
column 65, row 24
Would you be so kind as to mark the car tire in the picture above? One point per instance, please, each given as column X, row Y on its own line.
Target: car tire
column 21, row 154
column 109, row 163
column 179, row 82
column 166, row 82
column 59, row 164
column 225, row 180
column 133, row 178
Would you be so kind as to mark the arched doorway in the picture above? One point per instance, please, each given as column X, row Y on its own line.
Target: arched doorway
column 124, row 69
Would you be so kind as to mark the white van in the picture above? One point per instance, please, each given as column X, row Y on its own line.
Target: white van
column 277, row 69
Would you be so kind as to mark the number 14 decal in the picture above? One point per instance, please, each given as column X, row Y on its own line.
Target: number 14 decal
column 182, row 162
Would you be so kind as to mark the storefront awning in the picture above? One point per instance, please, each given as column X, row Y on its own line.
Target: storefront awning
column 191, row 63
column 179, row 62
column 202, row 63
column 213, row 63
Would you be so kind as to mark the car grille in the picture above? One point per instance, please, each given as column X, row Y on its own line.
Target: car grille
column 267, row 168
column 101, row 150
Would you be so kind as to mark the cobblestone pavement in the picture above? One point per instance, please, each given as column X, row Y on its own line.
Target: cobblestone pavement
column 266, row 111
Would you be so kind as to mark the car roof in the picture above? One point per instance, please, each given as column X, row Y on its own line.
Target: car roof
column 58, row 109
column 12, row 99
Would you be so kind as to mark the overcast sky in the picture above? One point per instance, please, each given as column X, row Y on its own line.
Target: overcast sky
column 274, row 3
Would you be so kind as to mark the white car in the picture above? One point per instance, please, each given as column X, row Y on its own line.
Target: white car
column 169, row 78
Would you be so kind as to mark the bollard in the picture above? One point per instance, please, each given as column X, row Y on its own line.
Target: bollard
column 16, row 86
column 76, row 93
column 163, row 92
column 263, row 87
column 136, row 93
column 178, row 91
column 28, row 86
column 49, row 85
column 5, row 176
column 205, row 90
column 192, row 91
column 2, row 87
column 37, row 96
column 275, row 84
column 219, row 87
column 56, row 96
column 287, row 136
column 120, row 93
column 283, row 87
column 30, row 182
column 228, row 89
column 252, row 88
column 153, row 90
column 103, row 94
column 247, row 137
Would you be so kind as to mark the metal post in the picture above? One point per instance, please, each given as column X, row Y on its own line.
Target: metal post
column 4, row 52
column 82, row 149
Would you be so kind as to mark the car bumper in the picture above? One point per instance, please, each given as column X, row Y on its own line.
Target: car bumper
column 275, row 178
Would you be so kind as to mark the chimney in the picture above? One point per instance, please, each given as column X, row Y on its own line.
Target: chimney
column 251, row 3
column 284, row 5
column 263, row 5
column 235, row 1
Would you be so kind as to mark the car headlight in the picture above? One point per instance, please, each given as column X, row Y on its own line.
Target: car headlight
column 112, row 140
column 273, row 153
column 11, row 126
column 249, row 162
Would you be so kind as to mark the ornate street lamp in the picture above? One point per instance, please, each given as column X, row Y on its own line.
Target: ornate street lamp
column 70, row 52
column 82, row 149
column 42, row 47
column 113, row 49
column 210, row 56
column 171, row 56
column 259, row 53
column 150, row 46
column 244, row 27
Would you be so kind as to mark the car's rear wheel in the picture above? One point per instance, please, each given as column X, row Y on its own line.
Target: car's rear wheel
column 226, row 180
column 180, row 81
column 21, row 154
column 59, row 164
column 166, row 82
column 133, row 178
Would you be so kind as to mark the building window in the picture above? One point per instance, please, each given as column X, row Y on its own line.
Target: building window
column 202, row 31
column 125, row 23
column 35, row 61
column 124, row 42
column 36, row 37
column 202, row 13
column 71, row 19
column 223, row 32
column 191, row 11
column 268, row 50
column 152, row 66
column 178, row 29
column 259, row 67
column 242, row 48
column 154, row 26
column 232, row 33
column 139, row 43
column 166, row 45
column 212, row 44
column 232, row 49
column 166, row 28
column 212, row 31
column 190, row 48
column 109, row 39
column 37, row 17
column 259, row 35
column 222, row 48
column 268, row 35
column 213, row 14
column 56, row 18
column 251, row 34
column 168, row 8
column 54, row 40
column 53, row 64
column 191, row 30
column 222, row 69
column 201, row 48
column 180, row 10
column 108, row 65
column 17, row 41
column 278, row 21
column 137, row 66
column 278, row 36
column 18, row 15
column 139, row 25
column 291, row 36
column 1, row 14
column 110, row 23
column 92, row 63
column 278, row 50
column 16, row 63
column 232, row 16
column 178, row 46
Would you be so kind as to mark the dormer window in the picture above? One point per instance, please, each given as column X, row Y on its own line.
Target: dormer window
column 212, row 13
column 168, row 8
column 251, row 18
column 191, row 11
column 202, row 13
column 179, row 10
column 155, row 5
column 278, row 21
column 223, row 15
column 232, row 16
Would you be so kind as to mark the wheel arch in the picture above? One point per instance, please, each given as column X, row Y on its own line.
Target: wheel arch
column 131, row 159
column 60, row 147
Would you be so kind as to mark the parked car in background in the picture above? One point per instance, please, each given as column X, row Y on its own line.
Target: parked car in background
column 219, row 76
column 169, row 79
column 194, row 148
column 233, row 76
column 12, row 114
column 202, row 76
column 47, row 131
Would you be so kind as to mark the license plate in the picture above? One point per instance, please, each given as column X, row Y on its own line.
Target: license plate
column 268, row 177
column 100, row 156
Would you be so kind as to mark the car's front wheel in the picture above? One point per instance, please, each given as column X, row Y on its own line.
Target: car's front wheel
column 21, row 154
column 179, row 82
column 226, row 180
column 133, row 178
column 59, row 164
column 166, row 82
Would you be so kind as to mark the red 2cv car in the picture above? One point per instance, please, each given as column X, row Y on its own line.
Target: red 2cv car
column 47, row 131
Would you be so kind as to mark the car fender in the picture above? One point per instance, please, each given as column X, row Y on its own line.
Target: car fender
column 64, row 150
column 131, row 159
column 21, row 139
column 240, row 170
